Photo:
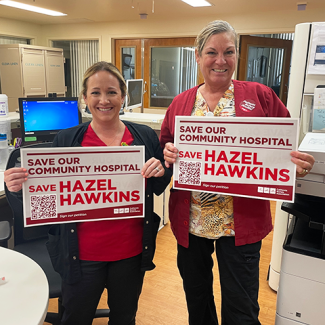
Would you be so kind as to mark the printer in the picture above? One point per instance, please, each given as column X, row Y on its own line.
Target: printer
column 314, row 182
column 301, row 292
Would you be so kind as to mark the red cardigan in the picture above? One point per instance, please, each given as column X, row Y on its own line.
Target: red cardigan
column 252, row 217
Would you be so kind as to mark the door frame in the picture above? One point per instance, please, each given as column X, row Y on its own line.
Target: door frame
column 247, row 40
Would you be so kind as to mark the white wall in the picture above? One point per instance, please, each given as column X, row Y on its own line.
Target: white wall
column 253, row 23
column 21, row 29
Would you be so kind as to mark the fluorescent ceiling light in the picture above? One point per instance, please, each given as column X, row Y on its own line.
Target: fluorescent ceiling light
column 197, row 3
column 23, row 6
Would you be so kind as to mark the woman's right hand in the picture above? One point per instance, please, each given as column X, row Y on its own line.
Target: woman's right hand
column 14, row 178
column 170, row 154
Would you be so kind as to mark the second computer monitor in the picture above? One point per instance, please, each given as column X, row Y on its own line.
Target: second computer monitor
column 135, row 91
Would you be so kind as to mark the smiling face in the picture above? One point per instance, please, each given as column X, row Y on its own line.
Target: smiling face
column 218, row 60
column 104, row 97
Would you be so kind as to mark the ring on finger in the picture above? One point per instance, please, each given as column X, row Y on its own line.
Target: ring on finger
column 304, row 172
column 157, row 169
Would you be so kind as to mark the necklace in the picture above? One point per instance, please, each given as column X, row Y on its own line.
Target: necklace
column 112, row 140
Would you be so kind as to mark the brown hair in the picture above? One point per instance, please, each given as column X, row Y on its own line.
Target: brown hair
column 103, row 66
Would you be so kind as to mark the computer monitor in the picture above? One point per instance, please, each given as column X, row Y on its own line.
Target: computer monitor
column 42, row 118
column 135, row 91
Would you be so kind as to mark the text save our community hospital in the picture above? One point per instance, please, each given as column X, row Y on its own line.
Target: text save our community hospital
column 234, row 163
column 76, row 181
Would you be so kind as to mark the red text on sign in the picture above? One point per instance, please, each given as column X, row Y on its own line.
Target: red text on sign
column 88, row 185
column 235, row 157
column 102, row 197
column 42, row 188
column 190, row 154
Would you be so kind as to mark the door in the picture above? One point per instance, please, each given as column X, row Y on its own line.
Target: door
column 267, row 61
column 169, row 69
column 167, row 66
column 33, row 63
column 54, row 63
column 128, row 58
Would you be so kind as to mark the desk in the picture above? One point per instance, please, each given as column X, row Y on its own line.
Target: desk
column 152, row 120
column 24, row 297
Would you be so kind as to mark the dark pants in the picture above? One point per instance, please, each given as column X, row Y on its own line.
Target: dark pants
column 123, row 280
column 239, row 280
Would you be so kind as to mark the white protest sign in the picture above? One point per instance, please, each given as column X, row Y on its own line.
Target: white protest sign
column 82, row 184
column 247, row 157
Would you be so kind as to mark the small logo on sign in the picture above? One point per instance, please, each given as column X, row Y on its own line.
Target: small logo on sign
column 247, row 105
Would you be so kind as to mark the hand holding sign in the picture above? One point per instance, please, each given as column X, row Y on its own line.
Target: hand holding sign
column 303, row 161
column 170, row 154
column 152, row 168
column 14, row 178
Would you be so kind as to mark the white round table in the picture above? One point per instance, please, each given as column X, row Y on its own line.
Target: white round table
column 24, row 296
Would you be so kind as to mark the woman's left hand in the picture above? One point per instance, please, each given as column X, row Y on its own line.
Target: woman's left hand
column 304, row 162
column 152, row 168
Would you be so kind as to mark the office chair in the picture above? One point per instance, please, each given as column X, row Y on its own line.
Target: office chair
column 6, row 221
column 5, row 233
column 30, row 241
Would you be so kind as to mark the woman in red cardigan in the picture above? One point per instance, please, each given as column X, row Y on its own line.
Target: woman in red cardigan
column 202, row 223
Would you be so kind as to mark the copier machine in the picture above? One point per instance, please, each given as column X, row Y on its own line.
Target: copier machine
column 301, row 292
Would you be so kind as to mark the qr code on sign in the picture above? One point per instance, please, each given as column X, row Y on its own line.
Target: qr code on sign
column 189, row 173
column 43, row 206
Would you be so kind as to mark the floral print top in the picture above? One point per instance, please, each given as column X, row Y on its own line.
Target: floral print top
column 211, row 215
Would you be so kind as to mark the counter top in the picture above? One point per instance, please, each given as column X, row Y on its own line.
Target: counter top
column 152, row 120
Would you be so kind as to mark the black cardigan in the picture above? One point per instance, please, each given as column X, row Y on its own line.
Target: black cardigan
column 63, row 239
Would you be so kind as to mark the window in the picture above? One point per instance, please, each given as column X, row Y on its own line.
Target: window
column 13, row 40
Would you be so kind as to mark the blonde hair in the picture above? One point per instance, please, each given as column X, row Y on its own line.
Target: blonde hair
column 212, row 28
column 103, row 66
